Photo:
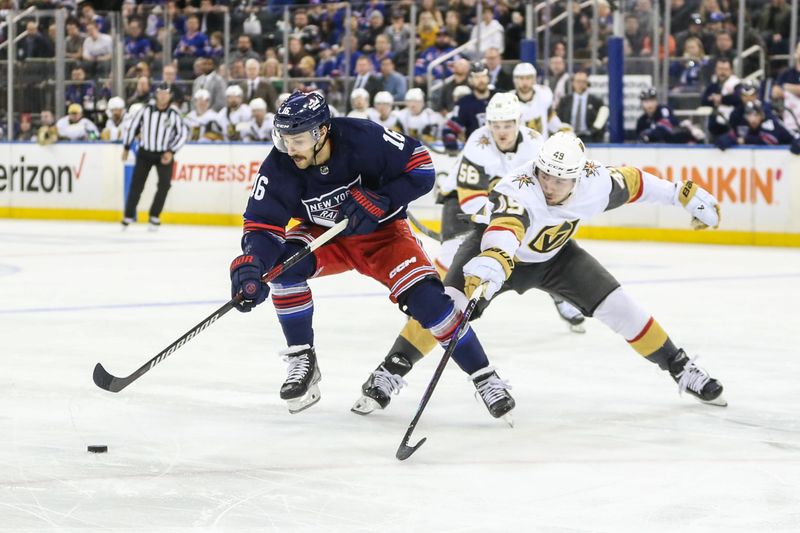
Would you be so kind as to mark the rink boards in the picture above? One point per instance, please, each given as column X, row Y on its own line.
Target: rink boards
column 757, row 187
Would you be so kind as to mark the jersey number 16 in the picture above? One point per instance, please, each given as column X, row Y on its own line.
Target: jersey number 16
column 394, row 138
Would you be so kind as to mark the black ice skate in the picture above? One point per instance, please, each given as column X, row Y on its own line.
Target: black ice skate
column 494, row 393
column 386, row 380
column 571, row 314
column 300, row 389
column 695, row 380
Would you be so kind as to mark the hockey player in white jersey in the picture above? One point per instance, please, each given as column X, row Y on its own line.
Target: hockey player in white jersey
column 527, row 244
column 418, row 121
column 203, row 122
column 490, row 152
column 234, row 113
column 383, row 111
column 536, row 101
column 115, row 113
column 259, row 128
column 359, row 102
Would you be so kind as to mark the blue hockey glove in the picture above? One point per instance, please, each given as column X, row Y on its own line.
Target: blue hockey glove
column 364, row 210
column 246, row 273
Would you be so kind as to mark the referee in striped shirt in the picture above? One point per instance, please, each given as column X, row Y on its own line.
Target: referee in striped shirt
column 161, row 133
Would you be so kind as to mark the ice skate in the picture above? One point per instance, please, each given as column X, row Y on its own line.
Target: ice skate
column 695, row 380
column 571, row 315
column 300, row 390
column 386, row 380
column 125, row 222
column 494, row 393
column 153, row 224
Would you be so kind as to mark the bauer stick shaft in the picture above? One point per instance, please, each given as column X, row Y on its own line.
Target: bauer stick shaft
column 111, row 383
column 405, row 451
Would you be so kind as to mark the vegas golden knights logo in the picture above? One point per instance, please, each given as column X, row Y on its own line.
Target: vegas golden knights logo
column 536, row 124
column 553, row 237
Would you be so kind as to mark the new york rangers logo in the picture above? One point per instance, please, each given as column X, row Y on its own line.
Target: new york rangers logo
column 323, row 209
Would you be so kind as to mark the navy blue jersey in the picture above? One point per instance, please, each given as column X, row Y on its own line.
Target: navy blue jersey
column 471, row 113
column 660, row 127
column 737, row 119
column 790, row 75
column 362, row 152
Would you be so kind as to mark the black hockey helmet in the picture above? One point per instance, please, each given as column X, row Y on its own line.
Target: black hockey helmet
column 749, row 87
column 478, row 67
column 649, row 94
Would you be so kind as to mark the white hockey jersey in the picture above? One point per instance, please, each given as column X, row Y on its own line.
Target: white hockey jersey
column 82, row 130
column 205, row 127
column 426, row 126
column 392, row 122
column 230, row 118
column 537, row 231
column 481, row 162
column 254, row 132
column 538, row 113
column 114, row 132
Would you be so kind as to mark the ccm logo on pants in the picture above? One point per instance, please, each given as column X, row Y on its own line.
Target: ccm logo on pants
column 399, row 268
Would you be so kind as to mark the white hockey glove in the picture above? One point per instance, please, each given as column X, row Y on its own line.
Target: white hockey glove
column 701, row 204
column 492, row 266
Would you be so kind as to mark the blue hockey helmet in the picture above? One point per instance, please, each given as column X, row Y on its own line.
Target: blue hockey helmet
column 299, row 113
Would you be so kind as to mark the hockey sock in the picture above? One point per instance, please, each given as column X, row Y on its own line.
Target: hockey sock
column 623, row 315
column 295, row 309
column 418, row 337
column 435, row 311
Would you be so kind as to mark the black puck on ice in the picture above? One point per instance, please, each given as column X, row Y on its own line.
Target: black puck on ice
column 98, row 449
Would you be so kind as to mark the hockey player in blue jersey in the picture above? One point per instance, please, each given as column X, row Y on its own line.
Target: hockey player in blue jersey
column 321, row 171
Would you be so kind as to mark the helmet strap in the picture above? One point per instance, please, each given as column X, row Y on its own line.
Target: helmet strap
column 320, row 143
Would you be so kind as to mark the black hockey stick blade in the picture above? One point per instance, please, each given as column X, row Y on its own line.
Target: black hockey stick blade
column 425, row 230
column 111, row 383
column 404, row 451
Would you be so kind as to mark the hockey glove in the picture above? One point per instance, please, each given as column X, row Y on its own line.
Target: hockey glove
column 246, row 273
column 703, row 207
column 492, row 266
column 363, row 209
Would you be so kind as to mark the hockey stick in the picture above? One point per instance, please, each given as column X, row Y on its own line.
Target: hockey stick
column 405, row 451
column 106, row 381
column 423, row 228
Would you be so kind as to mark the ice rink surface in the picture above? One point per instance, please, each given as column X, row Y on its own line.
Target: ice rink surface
column 602, row 440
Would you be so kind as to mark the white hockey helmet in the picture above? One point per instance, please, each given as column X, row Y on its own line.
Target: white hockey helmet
column 359, row 93
column 562, row 155
column 384, row 97
column 415, row 95
column 524, row 69
column 116, row 103
column 234, row 90
column 503, row 106
column 258, row 104
column 202, row 94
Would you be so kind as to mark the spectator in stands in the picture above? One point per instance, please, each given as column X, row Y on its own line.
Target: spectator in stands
column 759, row 130
column 210, row 80
column 308, row 33
column 352, row 45
column 34, row 44
column 647, row 47
column 296, row 50
column 774, row 23
column 142, row 94
column 97, row 49
column 682, row 13
column 689, row 73
column 73, row 44
column 786, row 89
column 137, row 46
column 427, row 31
column 429, row 6
column 216, row 50
column 445, row 100
column 142, row 68
column 559, row 79
column 211, row 17
column 244, row 50
column 393, row 83
column 491, row 32
column 586, row 113
column 657, row 124
column 723, row 47
column 89, row 15
column 203, row 122
column 169, row 75
column 470, row 110
column 383, row 112
column 25, row 131
column 375, row 27
column 514, row 34
column 694, row 29
column 634, row 34
column 498, row 78
column 399, row 34
column 193, row 43
column 366, row 78
column 75, row 127
column 721, row 95
column 643, row 10
column 255, row 86
column 383, row 50
column 459, row 34
column 441, row 71
column 234, row 114
column 359, row 103
column 78, row 90
column 47, row 133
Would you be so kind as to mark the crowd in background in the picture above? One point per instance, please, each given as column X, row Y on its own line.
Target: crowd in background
column 234, row 101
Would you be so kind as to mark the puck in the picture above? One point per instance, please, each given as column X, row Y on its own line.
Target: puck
column 98, row 449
